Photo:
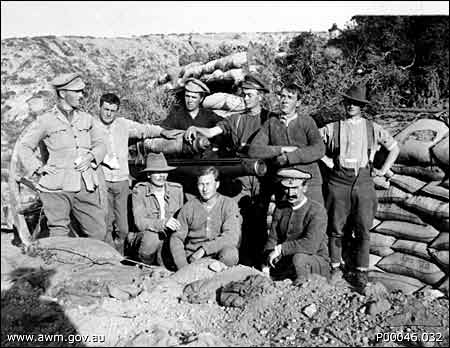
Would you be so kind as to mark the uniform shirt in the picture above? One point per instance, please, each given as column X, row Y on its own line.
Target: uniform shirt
column 242, row 128
column 301, row 132
column 65, row 142
column 147, row 210
column 299, row 230
column 353, row 147
column 117, row 135
column 211, row 229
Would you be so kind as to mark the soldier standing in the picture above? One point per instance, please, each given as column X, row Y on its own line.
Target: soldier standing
column 68, row 183
column 115, row 164
column 351, row 144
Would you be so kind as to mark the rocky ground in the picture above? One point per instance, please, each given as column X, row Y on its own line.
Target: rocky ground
column 110, row 304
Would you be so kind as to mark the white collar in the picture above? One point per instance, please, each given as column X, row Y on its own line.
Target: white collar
column 355, row 119
column 301, row 204
column 286, row 119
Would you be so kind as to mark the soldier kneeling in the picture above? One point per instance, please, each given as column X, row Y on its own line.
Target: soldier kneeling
column 155, row 205
column 297, row 243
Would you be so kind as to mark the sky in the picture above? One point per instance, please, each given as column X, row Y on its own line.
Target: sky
column 135, row 18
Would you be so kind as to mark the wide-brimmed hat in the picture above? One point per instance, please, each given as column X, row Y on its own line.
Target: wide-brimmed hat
column 156, row 162
column 69, row 82
column 356, row 93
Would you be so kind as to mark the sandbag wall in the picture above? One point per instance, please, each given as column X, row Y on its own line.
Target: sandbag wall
column 410, row 236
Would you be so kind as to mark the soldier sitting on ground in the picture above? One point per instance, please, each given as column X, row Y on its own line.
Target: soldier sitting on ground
column 210, row 225
column 155, row 205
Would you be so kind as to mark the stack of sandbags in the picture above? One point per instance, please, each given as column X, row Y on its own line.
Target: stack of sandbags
column 412, row 234
column 224, row 101
column 177, row 77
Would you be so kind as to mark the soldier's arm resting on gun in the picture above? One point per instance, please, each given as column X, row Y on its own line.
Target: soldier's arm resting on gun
column 191, row 132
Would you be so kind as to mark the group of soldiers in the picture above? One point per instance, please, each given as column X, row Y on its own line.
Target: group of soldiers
column 88, row 157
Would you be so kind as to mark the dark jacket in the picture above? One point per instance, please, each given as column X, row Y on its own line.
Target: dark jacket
column 299, row 231
column 301, row 132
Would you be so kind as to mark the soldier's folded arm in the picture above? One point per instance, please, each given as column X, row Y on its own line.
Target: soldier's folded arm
column 314, row 151
column 260, row 148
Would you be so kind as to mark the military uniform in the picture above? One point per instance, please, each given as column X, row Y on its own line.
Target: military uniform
column 148, row 219
column 300, row 233
column 67, row 190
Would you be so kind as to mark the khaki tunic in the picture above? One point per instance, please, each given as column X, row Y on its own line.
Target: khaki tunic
column 65, row 142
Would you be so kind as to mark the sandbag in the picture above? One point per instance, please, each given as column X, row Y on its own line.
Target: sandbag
column 381, row 240
column 446, row 183
column 410, row 247
column 416, row 140
column 77, row 250
column 429, row 207
column 428, row 173
column 440, row 224
column 381, row 251
column 224, row 101
column 411, row 266
column 197, row 270
column 406, row 230
column 441, row 257
column 440, row 152
column 375, row 223
column 441, row 242
column 381, row 183
column 444, row 287
column 392, row 195
column 238, row 293
column 407, row 183
column 373, row 260
column 396, row 282
column 433, row 189
column 391, row 211
column 204, row 290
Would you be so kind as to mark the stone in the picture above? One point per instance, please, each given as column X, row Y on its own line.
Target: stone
column 310, row 310
column 377, row 307
column 117, row 293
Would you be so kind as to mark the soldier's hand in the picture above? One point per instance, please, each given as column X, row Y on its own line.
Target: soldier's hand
column 275, row 256
column 286, row 149
column 190, row 134
column 281, row 160
column 197, row 255
column 170, row 133
column 378, row 172
column 46, row 169
column 83, row 162
column 173, row 224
